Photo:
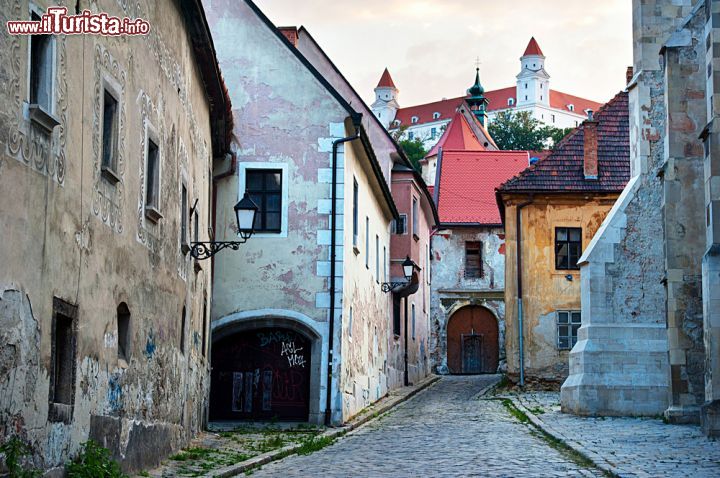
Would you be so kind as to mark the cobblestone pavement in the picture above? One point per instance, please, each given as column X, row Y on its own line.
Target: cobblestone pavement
column 444, row 431
column 636, row 447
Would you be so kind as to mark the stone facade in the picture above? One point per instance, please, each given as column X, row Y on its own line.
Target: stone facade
column 102, row 311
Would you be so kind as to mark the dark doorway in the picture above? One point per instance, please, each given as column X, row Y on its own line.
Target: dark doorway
column 472, row 341
column 260, row 375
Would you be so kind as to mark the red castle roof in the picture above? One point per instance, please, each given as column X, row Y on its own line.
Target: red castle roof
column 458, row 135
column 468, row 180
column 533, row 48
column 385, row 80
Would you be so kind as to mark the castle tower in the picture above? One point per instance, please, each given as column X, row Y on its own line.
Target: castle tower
column 385, row 106
column 476, row 99
column 533, row 82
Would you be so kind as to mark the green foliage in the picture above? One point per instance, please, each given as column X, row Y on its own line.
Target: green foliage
column 520, row 131
column 16, row 451
column 314, row 443
column 94, row 461
column 414, row 150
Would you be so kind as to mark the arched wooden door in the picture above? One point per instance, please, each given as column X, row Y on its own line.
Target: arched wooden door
column 472, row 341
column 261, row 374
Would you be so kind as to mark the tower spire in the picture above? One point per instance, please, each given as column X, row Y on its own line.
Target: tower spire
column 476, row 98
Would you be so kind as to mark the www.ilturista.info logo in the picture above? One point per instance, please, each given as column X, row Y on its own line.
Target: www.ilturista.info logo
column 57, row 22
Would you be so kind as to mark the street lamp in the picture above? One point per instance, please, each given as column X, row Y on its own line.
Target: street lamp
column 408, row 266
column 245, row 211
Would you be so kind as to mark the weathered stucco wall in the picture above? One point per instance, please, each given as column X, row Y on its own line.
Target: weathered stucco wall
column 545, row 289
column 70, row 234
column 451, row 290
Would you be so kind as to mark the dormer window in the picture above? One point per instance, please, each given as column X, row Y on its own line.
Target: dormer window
column 571, row 107
column 396, row 123
column 414, row 119
column 511, row 101
column 436, row 115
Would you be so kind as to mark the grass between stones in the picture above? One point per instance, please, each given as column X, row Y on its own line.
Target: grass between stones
column 559, row 445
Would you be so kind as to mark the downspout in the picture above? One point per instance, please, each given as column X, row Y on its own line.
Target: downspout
column 406, row 380
column 518, row 228
column 333, row 229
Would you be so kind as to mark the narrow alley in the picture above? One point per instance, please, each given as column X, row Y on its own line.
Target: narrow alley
column 446, row 430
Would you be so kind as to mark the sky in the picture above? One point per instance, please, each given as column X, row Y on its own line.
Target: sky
column 431, row 47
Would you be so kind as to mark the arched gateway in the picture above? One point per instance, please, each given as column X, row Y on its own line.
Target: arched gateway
column 472, row 341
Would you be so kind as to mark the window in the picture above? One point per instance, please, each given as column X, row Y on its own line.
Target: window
column 367, row 242
column 401, row 225
column 553, row 118
column 350, row 322
column 196, row 229
column 396, row 315
column 110, row 137
column 571, row 107
column 568, row 323
column 182, row 330
column 385, row 269
column 377, row 258
column 396, row 123
column 568, row 247
column 436, row 115
column 427, row 263
column 62, row 373
column 541, row 97
column 511, row 101
column 355, row 212
column 415, row 226
column 152, row 182
column 184, row 218
column 264, row 186
column 433, row 133
column 204, row 330
column 411, row 135
column 473, row 260
column 526, row 86
column 414, row 119
column 525, row 97
column 123, row 331
column 41, row 68
column 413, row 321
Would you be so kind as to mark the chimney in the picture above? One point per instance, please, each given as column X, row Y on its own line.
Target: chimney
column 291, row 33
column 628, row 74
column 590, row 147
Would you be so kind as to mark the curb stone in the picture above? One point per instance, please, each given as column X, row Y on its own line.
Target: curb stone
column 265, row 458
column 591, row 455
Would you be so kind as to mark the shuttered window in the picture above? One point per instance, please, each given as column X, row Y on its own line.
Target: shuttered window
column 473, row 260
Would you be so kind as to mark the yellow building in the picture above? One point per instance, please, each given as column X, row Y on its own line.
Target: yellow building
column 559, row 203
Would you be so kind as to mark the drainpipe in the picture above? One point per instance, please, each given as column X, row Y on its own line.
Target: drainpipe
column 333, row 229
column 406, row 377
column 518, row 234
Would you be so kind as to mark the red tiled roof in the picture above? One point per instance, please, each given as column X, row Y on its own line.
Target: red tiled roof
column 563, row 169
column 498, row 100
column 533, row 48
column 458, row 135
column 468, row 180
column 385, row 80
column 291, row 33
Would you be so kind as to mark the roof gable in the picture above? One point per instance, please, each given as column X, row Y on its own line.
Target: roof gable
column 459, row 136
column 533, row 48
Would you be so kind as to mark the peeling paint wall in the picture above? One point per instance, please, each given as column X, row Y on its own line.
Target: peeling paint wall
column 70, row 234
column 451, row 290
column 545, row 289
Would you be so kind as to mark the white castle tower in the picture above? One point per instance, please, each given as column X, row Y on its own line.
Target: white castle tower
column 533, row 82
column 385, row 106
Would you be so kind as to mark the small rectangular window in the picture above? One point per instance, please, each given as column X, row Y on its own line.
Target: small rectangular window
column 204, row 326
column 183, row 215
column 264, row 186
column 568, row 247
column 355, row 212
column 396, row 315
column 415, row 219
column 473, row 260
column 41, row 67
column 401, row 225
column 350, row 322
column 367, row 242
column 385, row 268
column 110, row 136
column 152, row 181
column 413, row 321
column 377, row 258
column 568, row 323
column 62, row 361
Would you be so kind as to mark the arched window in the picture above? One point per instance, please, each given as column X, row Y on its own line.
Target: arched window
column 511, row 101
column 396, row 123
column 571, row 107
column 436, row 115
column 414, row 119
column 123, row 331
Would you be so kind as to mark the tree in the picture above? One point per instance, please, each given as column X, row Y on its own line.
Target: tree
column 414, row 150
column 520, row 131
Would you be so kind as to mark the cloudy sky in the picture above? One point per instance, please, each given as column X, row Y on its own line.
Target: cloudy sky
column 430, row 46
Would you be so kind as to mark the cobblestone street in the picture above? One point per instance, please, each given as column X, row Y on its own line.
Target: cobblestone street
column 443, row 431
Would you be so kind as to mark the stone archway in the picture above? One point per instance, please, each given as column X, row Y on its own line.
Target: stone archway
column 473, row 344
column 266, row 365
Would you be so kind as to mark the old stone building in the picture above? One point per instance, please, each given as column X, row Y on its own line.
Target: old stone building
column 106, row 147
column 301, row 324
column 551, row 212
column 658, row 246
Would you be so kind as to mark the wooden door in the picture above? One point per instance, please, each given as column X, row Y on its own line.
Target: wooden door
column 472, row 341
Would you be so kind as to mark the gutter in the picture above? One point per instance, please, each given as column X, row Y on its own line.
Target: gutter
column 518, row 260
column 333, row 231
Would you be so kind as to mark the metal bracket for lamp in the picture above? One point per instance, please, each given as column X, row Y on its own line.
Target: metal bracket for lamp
column 408, row 266
column 390, row 286
column 245, row 211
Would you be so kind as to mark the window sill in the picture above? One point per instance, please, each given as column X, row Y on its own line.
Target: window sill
column 110, row 175
column 42, row 118
column 153, row 214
